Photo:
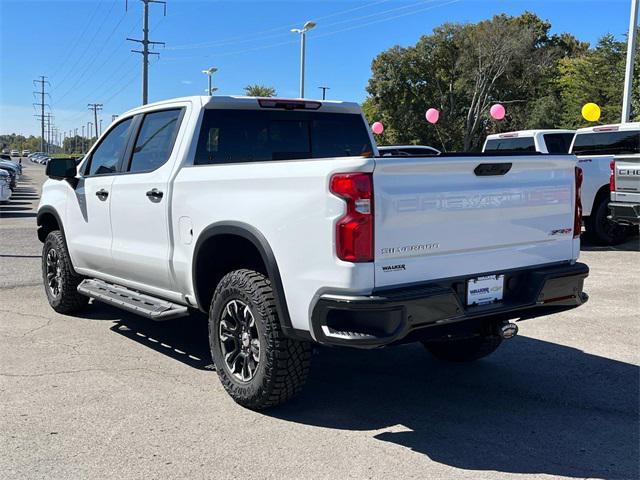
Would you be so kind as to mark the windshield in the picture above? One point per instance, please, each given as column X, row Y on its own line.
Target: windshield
column 607, row 143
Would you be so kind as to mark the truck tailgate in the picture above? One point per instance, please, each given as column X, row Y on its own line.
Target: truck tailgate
column 446, row 216
column 628, row 174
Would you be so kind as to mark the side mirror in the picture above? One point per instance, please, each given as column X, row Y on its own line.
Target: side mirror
column 61, row 169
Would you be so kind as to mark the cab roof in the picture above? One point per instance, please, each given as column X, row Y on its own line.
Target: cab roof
column 251, row 103
column 527, row 133
column 610, row 128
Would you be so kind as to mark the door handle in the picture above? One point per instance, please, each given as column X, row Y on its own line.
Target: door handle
column 102, row 194
column 155, row 194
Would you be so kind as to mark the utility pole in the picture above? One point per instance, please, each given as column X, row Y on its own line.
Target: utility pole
column 95, row 107
column 324, row 92
column 631, row 55
column 100, row 129
column 48, row 142
column 113, row 117
column 145, row 46
column 89, row 125
column 82, row 141
column 43, row 81
column 75, row 140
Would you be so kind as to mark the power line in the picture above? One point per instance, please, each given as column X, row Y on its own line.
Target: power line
column 145, row 46
column 100, row 70
column 251, row 37
column 353, row 27
column 79, row 77
column 331, row 24
column 117, row 73
column 77, row 42
column 386, row 19
column 88, row 46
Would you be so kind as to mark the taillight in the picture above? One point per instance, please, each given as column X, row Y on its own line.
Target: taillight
column 612, row 176
column 354, row 231
column 577, row 216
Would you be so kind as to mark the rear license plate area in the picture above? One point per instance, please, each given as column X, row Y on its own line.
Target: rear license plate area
column 485, row 290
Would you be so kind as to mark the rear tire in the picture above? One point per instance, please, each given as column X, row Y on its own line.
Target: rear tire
column 60, row 279
column 466, row 349
column 602, row 230
column 257, row 365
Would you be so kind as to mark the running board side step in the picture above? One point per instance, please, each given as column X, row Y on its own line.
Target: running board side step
column 131, row 300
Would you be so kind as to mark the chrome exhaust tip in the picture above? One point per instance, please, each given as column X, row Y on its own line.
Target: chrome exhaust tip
column 507, row 330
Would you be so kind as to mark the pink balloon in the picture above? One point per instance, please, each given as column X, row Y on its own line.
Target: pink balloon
column 377, row 128
column 432, row 115
column 497, row 111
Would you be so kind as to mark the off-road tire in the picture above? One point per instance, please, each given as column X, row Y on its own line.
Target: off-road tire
column 603, row 231
column 68, row 300
column 464, row 350
column 283, row 364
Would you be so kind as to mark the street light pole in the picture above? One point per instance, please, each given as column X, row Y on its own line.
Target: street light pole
column 303, row 37
column 209, row 73
column 631, row 54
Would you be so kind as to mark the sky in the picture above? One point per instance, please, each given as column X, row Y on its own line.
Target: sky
column 80, row 47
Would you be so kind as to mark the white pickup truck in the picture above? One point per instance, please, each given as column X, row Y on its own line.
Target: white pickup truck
column 597, row 149
column 625, row 190
column 280, row 220
column 556, row 141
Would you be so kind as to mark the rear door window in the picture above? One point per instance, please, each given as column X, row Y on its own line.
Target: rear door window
column 237, row 136
column 522, row 144
column 607, row 143
column 558, row 142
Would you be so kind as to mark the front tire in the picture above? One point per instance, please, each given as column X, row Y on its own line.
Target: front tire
column 602, row 230
column 257, row 365
column 466, row 349
column 60, row 279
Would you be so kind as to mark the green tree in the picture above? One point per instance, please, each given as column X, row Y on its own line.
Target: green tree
column 597, row 76
column 462, row 70
column 260, row 91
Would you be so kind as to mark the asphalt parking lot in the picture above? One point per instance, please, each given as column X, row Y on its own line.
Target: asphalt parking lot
column 106, row 394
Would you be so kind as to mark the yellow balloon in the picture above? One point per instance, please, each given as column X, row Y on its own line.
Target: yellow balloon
column 591, row 112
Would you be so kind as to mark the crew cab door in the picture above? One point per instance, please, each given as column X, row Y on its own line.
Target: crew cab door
column 141, row 200
column 88, row 215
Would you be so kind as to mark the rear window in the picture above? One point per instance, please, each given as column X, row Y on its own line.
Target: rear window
column 522, row 144
column 607, row 143
column 236, row 136
column 558, row 142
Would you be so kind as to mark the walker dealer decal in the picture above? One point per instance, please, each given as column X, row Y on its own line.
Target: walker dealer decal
column 484, row 290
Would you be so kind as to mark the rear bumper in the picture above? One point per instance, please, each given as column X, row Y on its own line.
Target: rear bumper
column 625, row 213
column 391, row 315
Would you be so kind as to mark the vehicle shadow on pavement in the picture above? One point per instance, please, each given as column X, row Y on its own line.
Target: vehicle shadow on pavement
column 183, row 339
column 632, row 244
column 533, row 407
